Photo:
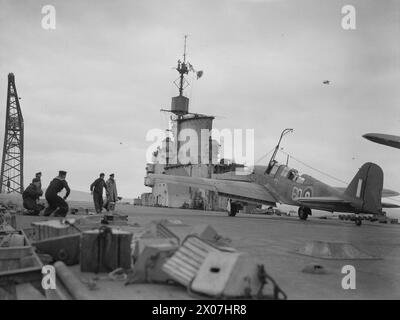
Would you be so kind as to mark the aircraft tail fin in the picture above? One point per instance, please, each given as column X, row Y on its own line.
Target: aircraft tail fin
column 366, row 188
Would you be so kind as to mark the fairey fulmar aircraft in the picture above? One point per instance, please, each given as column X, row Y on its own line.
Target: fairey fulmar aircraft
column 277, row 183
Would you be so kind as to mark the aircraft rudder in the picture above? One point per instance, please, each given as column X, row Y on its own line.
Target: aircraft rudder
column 367, row 186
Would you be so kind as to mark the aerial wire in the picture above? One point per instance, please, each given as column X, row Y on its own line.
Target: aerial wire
column 265, row 155
column 315, row 169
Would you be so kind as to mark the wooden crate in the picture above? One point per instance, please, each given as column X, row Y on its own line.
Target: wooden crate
column 64, row 248
column 18, row 265
column 52, row 229
column 7, row 221
column 105, row 252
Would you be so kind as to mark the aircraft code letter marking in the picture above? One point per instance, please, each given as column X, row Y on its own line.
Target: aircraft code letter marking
column 296, row 193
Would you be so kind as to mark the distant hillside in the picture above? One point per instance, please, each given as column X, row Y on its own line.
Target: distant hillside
column 76, row 195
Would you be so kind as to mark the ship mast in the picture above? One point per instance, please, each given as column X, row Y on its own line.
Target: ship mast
column 182, row 69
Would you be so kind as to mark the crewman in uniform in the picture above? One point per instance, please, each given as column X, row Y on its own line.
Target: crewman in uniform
column 30, row 197
column 111, row 192
column 56, row 204
column 38, row 175
column 96, row 188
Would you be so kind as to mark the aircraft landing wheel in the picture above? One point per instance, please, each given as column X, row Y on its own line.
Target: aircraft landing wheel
column 358, row 221
column 234, row 210
column 304, row 212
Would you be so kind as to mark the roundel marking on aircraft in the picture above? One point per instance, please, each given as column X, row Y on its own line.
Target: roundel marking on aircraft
column 307, row 193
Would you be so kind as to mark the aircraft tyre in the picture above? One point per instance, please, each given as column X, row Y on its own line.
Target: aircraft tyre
column 303, row 213
column 358, row 221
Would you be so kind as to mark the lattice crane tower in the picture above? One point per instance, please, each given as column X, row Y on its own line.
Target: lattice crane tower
column 12, row 165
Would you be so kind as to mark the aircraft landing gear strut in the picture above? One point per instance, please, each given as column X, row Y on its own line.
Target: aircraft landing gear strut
column 304, row 212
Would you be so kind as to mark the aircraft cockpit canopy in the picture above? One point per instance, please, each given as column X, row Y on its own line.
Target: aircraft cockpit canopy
column 273, row 168
column 286, row 172
column 294, row 176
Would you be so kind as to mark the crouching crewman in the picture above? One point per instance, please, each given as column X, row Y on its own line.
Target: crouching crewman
column 31, row 196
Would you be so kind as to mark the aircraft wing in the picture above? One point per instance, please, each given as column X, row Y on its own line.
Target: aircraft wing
column 238, row 190
column 389, row 205
column 386, row 193
column 386, row 139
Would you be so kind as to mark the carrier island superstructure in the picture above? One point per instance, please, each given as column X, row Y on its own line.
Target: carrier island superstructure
column 204, row 163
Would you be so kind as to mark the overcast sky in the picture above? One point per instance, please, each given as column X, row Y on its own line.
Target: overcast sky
column 94, row 86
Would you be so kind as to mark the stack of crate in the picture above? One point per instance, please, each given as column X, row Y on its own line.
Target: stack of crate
column 51, row 229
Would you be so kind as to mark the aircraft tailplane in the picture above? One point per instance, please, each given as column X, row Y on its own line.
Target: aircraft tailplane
column 366, row 186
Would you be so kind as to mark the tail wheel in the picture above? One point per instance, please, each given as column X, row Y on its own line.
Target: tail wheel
column 234, row 210
column 358, row 221
column 304, row 212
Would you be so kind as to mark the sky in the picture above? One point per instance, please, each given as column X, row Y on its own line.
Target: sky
column 92, row 88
